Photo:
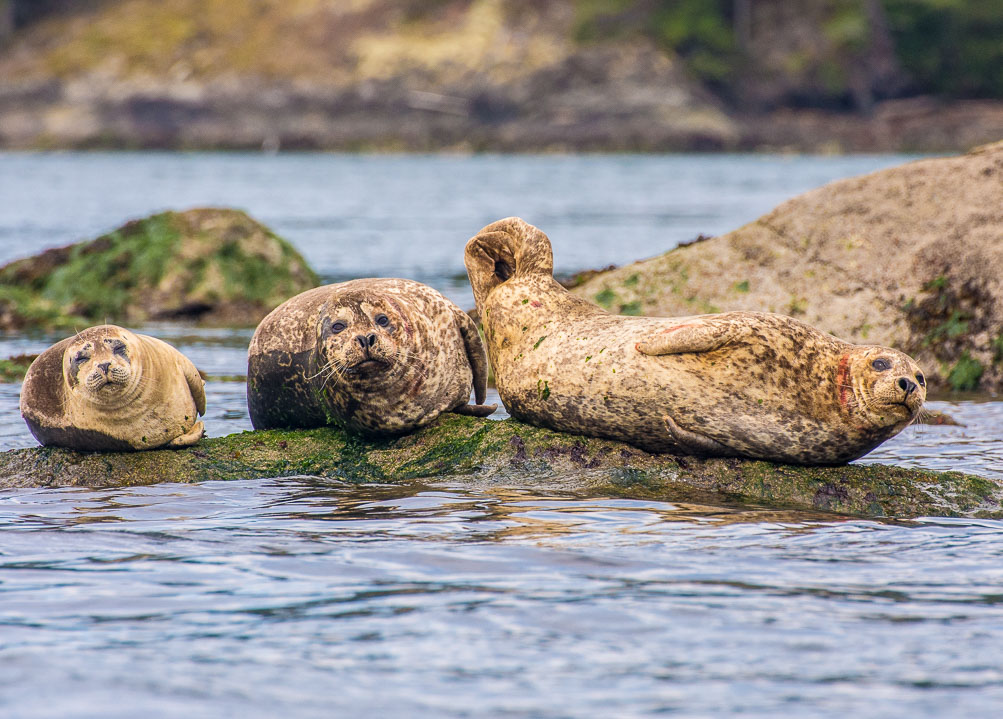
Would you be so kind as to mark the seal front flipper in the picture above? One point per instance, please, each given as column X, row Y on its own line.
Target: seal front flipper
column 475, row 410
column 694, row 334
column 697, row 444
column 195, row 384
column 189, row 439
column 476, row 355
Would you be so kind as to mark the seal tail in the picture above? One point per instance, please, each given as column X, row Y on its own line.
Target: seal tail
column 504, row 249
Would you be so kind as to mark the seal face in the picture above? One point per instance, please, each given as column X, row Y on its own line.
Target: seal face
column 107, row 388
column 735, row 384
column 377, row 356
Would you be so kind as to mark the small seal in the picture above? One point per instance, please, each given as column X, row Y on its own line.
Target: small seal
column 376, row 356
column 744, row 384
column 107, row 388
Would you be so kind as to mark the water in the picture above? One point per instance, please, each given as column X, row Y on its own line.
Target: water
column 303, row 597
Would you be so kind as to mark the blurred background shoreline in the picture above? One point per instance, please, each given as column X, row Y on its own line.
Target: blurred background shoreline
column 829, row 76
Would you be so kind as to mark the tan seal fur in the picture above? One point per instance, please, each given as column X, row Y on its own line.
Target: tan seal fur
column 377, row 356
column 736, row 384
column 107, row 388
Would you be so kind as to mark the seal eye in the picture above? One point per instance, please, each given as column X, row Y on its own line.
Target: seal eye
column 382, row 320
column 118, row 348
column 338, row 326
column 80, row 356
column 881, row 364
column 921, row 379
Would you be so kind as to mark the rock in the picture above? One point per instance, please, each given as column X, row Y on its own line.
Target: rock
column 14, row 368
column 214, row 266
column 910, row 257
column 484, row 454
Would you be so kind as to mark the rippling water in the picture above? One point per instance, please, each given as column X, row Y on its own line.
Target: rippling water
column 310, row 598
column 302, row 597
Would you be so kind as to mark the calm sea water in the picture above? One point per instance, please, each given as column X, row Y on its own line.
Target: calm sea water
column 304, row 597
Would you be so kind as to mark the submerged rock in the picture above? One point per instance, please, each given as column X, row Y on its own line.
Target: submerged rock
column 910, row 257
column 483, row 454
column 214, row 266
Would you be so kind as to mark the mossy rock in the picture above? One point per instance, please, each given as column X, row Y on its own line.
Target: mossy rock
column 214, row 266
column 485, row 454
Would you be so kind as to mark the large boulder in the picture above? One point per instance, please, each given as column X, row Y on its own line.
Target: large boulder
column 910, row 257
column 214, row 266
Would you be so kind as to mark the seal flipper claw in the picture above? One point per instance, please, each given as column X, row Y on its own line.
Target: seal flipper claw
column 475, row 410
column 696, row 443
column 695, row 334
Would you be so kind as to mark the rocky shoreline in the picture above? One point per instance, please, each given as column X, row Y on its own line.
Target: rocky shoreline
column 391, row 116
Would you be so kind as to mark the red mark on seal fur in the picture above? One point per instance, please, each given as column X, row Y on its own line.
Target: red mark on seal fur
column 536, row 303
column 678, row 327
column 842, row 381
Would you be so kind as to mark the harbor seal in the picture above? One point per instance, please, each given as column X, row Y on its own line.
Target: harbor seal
column 376, row 356
column 107, row 388
column 735, row 384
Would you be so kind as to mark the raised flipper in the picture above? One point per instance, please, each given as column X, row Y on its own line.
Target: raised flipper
column 475, row 410
column 692, row 334
column 192, row 437
column 697, row 444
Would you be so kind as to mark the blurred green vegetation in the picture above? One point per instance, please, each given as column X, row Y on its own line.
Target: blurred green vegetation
column 946, row 47
column 950, row 47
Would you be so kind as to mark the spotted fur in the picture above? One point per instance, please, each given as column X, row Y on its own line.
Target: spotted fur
column 377, row 356
column 735, row 384
column 108, row 389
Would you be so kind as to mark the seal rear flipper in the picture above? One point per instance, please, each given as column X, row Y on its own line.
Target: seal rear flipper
column 476, row 356
column 697, row 444
column 475, row 410
column 694, row 334
column 504, row 249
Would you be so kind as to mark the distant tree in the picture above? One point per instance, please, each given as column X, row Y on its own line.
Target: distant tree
column 950, row 47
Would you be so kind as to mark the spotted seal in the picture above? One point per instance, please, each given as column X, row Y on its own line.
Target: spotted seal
column 735, row 384
column 107, row 388
column 377, row 356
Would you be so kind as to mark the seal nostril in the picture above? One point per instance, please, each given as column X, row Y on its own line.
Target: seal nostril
column 362, row 340
column 372, row 339
column 906, row 385
column 104, row 366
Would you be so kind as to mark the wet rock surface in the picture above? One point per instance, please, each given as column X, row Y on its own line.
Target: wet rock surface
column 479, row 453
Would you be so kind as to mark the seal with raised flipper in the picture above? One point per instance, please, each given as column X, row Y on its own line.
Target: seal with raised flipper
column 376, row 356
column 743, row 384
column 107, row 388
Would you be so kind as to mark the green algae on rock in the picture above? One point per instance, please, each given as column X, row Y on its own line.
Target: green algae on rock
column 14, row 368
column 484, row 454
column 215, row 266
